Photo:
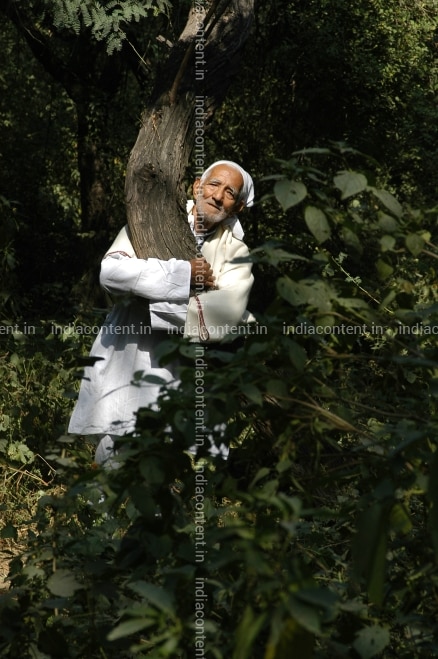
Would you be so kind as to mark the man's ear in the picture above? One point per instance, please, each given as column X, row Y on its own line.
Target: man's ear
column 239, row 207
column 196, row 186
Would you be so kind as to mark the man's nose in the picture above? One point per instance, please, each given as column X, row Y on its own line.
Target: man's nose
column 218, row 195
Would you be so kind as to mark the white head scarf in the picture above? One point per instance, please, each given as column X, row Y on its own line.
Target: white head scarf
column 247, row 192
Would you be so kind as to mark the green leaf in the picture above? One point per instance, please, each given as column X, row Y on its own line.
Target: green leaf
column 247, row 631
column 156, row 595
column 322, row 598
column 166, row 351
column 313, row 150
column 352, row 302
column 350, row 183
column 143, row 500
column 306, row 615
column 9, row 531
column 399, row 519
column 297, row 355
column 387, row 243
column 20, row 452
column 351, row 239
column 276, row 388
column 384, row 270
column 262, row 473
column 376, row 576
column 292, row 291
column 432, row 492
column 51, row 643
column 389, row 201
column 253, row 393
column 370, row 641
column 414, row 243
column 289, row 193
column 317, row 223
column 151, row 470
column 369, row 553
column 292, row 641
column 129, row 627
column 63, row 583
column 314, row 292
column 387, row 223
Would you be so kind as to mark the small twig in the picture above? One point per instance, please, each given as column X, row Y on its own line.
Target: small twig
column 428, row 253
column 376, row 410
column 338, row 422
column 45, row 461
column 140, row 57
column 25, row 473
column 361, row 288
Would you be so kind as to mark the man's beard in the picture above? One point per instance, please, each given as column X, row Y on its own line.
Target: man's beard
column 206, row 219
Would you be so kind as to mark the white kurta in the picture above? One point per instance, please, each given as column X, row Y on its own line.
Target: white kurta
column 153, row 300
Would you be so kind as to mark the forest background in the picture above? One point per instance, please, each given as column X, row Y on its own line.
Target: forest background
column 322, row 528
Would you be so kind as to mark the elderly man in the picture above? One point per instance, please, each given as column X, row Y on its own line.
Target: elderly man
column 153, row 299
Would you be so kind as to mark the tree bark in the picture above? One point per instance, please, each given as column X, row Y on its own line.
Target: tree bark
column 201, row 66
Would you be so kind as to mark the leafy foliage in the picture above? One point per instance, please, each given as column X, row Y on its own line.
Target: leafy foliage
column 320, row 530
column 363, row 73
column 105, row 20
column 34, row 370
column 317, row 536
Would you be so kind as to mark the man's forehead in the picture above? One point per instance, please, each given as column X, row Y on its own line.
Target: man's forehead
column 226, row 174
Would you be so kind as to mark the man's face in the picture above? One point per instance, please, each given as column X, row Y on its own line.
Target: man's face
column 216, row 198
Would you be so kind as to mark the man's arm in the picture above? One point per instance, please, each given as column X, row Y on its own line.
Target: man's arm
column 166, row 284
column 122, row 273
column 220, row 311
column 151, row 279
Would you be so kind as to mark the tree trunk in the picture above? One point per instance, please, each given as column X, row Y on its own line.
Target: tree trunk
column 191, row 86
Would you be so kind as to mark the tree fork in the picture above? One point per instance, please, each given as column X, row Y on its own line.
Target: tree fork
column 155, row 195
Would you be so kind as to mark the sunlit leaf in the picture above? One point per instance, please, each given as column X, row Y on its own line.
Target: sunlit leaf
column 350, row 183
column 351, row 239
column 414, row 243
column 156, row 595
column 387, row 243
column 399, row 519
column 317, row 223
column 63, row 583
column 371, row 641
column 387, row 223
column 289, row 193
column 389, row 201
column 384, row 270
column 129, row 627
column 316, row 293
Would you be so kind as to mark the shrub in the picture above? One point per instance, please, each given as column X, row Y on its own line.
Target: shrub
column 317, row 537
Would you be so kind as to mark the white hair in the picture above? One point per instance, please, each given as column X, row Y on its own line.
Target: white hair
column 246, row 193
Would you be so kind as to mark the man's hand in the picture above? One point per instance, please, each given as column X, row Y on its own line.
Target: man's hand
column 202, row 273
